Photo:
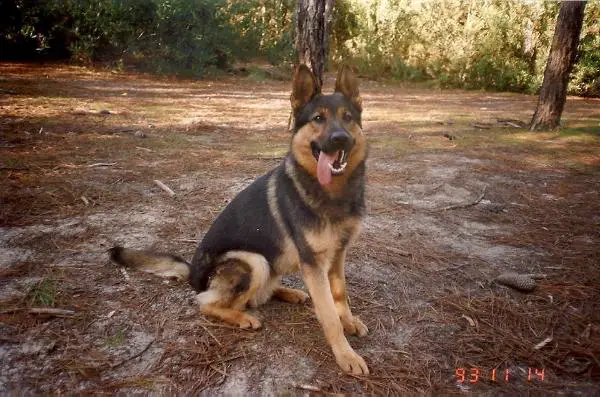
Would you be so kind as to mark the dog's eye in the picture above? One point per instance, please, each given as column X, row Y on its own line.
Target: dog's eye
column 319, row 118
column 347, row 117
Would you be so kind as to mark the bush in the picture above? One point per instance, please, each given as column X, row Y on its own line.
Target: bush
column 175, row 37
column 585, row 79
column 474, row 44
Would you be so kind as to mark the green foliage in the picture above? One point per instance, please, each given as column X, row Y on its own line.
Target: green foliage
column 117, row 339
column 585, row 78
column 344, row 28
column 473, row 44
column 174, row 36
column 164, row 36
column 42, row 293
column 265, row 28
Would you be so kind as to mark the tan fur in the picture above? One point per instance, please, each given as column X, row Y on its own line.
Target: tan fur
column 327, row 286
column 290, row 295
column 347, row 84
column 161, row 265
column 303, row 153
column 265, row 293
column 231, row 316
column 337, row 281
column 301, row 146
column 244, row 279
column 289, row 261
column 220, row 300
column 320, row 292
column 326, row 240
column 304, row 87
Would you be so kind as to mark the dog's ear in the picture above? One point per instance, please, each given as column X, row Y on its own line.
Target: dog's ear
column 304, row 87
column 347, row 84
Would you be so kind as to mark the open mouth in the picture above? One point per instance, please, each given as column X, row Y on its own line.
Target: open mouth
column 336, row 161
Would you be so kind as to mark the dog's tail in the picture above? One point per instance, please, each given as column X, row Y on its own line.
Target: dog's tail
column 160, row 264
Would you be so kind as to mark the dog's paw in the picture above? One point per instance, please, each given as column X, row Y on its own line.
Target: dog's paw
column 352, row 363
column 297, row 296
column 354, row 326
column 290, row 295
column 247, row 321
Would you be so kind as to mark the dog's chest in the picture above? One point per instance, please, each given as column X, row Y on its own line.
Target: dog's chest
column 324, row 243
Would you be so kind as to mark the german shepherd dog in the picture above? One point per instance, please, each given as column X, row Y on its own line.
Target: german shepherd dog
column 302, row 215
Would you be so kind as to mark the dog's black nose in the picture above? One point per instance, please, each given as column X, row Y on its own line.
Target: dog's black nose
column 340, row 138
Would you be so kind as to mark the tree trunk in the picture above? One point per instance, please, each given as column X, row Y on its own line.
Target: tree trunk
column 558, row 68
column 313, row 18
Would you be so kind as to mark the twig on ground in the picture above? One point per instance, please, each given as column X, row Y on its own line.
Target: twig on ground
column 306, row 387
column 134, row 356
column 51, row 311
column 218, row 370
column 466, row 205
column 85, row 200
column 164, row 187
column 512, row 124
column 481, row 126
column 212, row 335
column 101, row 165
column 543, row 343
column 145, row 149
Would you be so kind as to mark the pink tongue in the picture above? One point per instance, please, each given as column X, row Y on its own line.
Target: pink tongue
column 323, row 170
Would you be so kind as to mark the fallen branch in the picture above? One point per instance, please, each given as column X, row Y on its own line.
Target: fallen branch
column 509, row 123
column 512, row 123
column 481, row 126
column 466, row 205
column 164, row 187
column 50, row 311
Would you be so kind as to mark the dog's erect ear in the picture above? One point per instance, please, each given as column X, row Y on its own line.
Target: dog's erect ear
column 347, row 84
column 304, row 87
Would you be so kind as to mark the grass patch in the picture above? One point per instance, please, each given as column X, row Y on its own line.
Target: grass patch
column 117, row 339
column 257, row 74
column 43, row 293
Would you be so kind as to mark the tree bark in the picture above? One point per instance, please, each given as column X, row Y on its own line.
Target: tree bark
column 553, row 94
column 313, row 18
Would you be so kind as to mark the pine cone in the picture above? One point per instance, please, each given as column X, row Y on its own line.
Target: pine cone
column 521, row 282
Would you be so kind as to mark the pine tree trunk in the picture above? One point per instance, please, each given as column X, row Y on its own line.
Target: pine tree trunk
column 553, row 94
column 313, row 18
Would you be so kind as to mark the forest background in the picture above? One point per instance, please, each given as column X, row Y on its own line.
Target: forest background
column 473, row 44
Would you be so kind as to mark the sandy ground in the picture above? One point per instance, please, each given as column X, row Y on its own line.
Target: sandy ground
column 457, row 195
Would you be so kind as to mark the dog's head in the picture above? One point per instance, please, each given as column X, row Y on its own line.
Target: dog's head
column 328, row 139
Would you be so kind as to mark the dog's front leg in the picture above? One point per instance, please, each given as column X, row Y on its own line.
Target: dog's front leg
column 337, row 280
column 317, row 283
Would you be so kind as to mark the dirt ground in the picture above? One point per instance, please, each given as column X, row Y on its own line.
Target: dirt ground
column 457, row 194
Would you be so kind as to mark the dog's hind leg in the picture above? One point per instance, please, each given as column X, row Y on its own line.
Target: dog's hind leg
column 238, row 277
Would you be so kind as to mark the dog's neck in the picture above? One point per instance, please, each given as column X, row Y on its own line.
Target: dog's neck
column 349, row 201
